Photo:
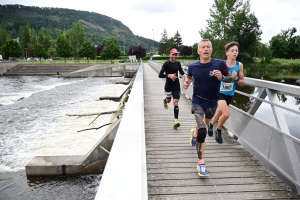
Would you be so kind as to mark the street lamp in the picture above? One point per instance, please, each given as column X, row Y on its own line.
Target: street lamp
column 153, row 40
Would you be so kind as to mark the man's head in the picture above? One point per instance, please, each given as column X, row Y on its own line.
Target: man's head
column 232, row 50
column 205, row 50
column 173, row 54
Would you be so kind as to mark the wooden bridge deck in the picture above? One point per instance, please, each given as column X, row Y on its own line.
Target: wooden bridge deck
column 171, row 161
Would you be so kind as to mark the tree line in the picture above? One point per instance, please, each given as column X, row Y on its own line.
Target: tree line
column 69, row 43
column 230, row 20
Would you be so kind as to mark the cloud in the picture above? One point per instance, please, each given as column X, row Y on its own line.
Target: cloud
column 155, row 6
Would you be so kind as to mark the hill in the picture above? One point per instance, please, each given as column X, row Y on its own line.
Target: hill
column 98, row 28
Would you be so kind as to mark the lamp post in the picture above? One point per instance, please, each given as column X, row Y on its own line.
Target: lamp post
column 153, row 40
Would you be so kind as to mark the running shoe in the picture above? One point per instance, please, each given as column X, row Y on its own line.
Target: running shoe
column 218, row 137
column 202, row 170
column 210, row 130
column 192, row 139
column 165, row 104
column 176, row 123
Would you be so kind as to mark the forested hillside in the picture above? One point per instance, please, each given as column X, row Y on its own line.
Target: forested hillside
column 98, row 28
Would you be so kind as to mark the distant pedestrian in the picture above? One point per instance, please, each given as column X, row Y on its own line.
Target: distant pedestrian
column 170, row 71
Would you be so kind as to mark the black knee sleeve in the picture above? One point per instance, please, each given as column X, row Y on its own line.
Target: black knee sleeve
column 201, row 135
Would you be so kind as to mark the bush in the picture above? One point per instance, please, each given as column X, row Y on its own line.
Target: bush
column 124, row 57
column 146, row 58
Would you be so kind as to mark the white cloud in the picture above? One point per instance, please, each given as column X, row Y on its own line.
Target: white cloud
column 187, row 17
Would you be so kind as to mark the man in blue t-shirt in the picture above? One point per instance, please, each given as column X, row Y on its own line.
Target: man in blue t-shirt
column 206, row 75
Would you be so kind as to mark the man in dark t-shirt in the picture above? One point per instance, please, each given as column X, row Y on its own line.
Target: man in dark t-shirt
column 170, row 71
column 206, row 75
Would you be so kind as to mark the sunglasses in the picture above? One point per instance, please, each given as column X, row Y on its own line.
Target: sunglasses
column 174, row 54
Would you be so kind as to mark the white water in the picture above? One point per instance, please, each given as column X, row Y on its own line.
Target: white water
column 33, row 117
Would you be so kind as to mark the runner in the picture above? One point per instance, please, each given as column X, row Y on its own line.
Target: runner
column 170, row 71
column 206, row 75
column 227, row 90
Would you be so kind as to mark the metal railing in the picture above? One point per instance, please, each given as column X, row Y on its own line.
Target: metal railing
column 275, row 145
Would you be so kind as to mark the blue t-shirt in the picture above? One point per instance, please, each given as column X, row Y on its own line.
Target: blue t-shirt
column 206, row 85
column 228, row 88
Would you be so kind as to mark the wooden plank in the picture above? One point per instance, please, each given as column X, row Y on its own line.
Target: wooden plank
column 228, row 196
column 217, row 181
column 176, row 170
column 221, row 175
column 186, row 165
column 211, row 188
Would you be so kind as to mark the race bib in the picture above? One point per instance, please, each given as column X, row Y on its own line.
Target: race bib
column 226, row 86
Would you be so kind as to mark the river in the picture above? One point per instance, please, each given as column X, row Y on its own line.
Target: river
column 33, row 122
column 265, row 113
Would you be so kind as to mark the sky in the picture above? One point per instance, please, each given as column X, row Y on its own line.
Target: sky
column 148, row 19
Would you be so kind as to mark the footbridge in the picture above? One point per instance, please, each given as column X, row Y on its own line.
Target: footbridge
column 151, row 160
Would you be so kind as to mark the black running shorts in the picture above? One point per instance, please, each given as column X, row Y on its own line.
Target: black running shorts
column 226, row 98
column 174, row 93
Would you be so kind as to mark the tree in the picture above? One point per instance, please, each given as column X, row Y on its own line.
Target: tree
column 100, row 48
column 177, row 40
column 111, row 50
column 264, row 53
column 3, row 36
column 247, row 33
column 87, row 50
column 195, row 51
column 51, row 52
column 39, row 51
column 75, row 35
column 186, row 50
column 294, row 47
column 24, row 36
column 138, row 51
column 63, row 47
column 171, row 45
column 29, row 50
column 163, row 43
column 231, row 20
column 33, row 36
column 282, row 45
column 43, row 39
column 11, row 48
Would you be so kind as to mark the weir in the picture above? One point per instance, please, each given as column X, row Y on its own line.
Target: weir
column 127, row 70
column 95, row 160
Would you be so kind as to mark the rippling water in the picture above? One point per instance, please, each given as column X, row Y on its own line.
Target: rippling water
column 33, row 122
